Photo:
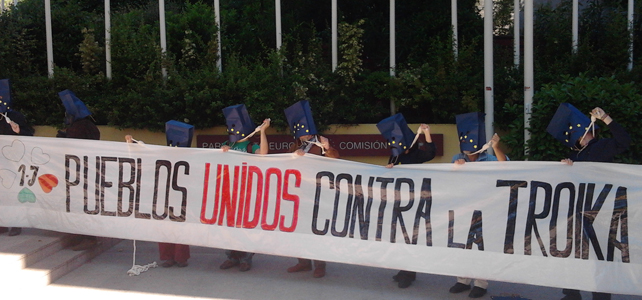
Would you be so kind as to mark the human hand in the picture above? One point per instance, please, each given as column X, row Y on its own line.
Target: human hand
column 325, row 142
column 15, row 127
column 567, row 161
column 266, row 124
column 425, row 128
column 225, row 148
column 598, row 113
column 460, row 161
column 389, row 166
column 299, row 152
column 129, row 139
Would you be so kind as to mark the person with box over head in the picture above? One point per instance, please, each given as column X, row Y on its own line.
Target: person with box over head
column 577, row 131
column 471, row 131
column 14, row 123
column 240, row 129
column 177, row 134
column 301, row 123
column 79, row 126
column 405, row 149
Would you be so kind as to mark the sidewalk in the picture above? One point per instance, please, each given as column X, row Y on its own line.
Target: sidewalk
column 106, row 278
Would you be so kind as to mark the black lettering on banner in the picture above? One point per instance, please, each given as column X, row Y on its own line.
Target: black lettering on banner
column 168, row 166
column 512, row 212
column 137, row 213
column 69, row 183
column 451, row 231
column 358, row 208
column 382, row 206
column 476, row 231
column 590, row 213
column 531, row 217
column 423, row 211
column 122, row 184
column 317, row 197
column 569, row 220
column 182, row 190
column 96, row 190
column 398, row 209
column 105, row 184
column 620, row 212
column 579, row 210
column 337, row 197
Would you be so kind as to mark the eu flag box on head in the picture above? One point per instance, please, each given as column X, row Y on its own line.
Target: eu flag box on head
column 178, row 134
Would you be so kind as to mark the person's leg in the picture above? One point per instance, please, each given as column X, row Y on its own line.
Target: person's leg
column 302, row 265
column 13, row 231
column 181, row 255
column 166, row 251
column 571, row 294
column 246, row 261
column 232, row 260
column 462, row 284
column 601, row 296
column 405, row 278
column 319, row 269
column 479, row 289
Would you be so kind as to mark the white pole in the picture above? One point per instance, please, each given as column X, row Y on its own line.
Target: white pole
column 516, row 32
column 279, row 34
column 453, row 18
column 575, row 25
column 335, row 34
column 630, row 17
column 528, row 70
column 50, row 62
column 108, row 39
column 217, row 16
column 488, row 68
column 392, row 50
column 163, row 37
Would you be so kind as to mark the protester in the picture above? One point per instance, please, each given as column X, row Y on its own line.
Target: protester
column 301, row 123
column 79, row 125
column 177, row 134
column 575, row 130
column 12, row 122
column 240, row 129
column 472, row 134
column 405, row 150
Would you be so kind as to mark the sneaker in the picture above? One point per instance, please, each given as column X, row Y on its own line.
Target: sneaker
column 244, row 267
column 300, row 268
column 319, row 272
column 459, row 287
column 168, row 263
column 86, row 244
column 229, row 264
column 477, row 292
column 181, row 264
column 15, row 231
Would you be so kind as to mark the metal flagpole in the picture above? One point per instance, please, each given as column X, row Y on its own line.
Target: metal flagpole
column 453, row 18
column 50, row 62
column 217, row 16
column 108, row 39
column 630, row 27
column 575, row 25
column 488, row 68
column 528, row 70
column 516, row 32
column 279, row 34
column 392, row 51
column 163, row 37
column 335, row 47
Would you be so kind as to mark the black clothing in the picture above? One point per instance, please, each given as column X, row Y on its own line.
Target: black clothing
column 416, row 155
column 18, row 118
column 603, row 150
column 81, row 129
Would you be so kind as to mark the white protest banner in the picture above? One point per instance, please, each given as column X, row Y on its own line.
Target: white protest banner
column 542, row 223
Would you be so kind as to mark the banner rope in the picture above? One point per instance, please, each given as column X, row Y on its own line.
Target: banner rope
column 136, row 269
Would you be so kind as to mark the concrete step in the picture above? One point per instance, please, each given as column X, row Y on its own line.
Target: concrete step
column 36, row 258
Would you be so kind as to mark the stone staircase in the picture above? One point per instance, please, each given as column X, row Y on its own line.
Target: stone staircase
column 36, row 258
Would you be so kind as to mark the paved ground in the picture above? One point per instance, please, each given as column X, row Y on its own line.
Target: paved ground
column 106, row 278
